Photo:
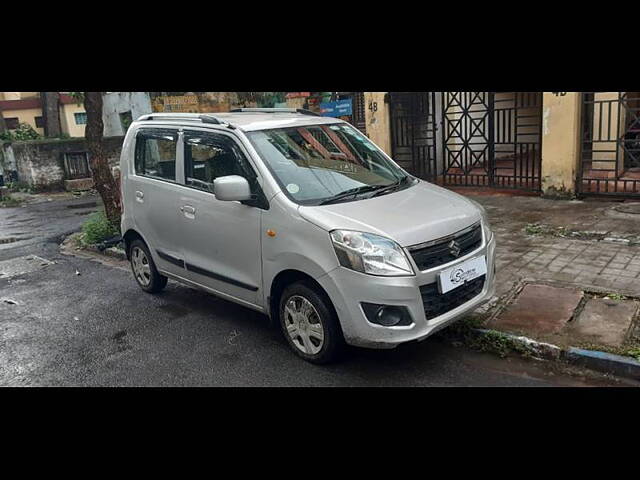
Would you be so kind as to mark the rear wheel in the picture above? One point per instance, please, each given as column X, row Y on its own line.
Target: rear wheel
column 310, row 324
column 144, row 270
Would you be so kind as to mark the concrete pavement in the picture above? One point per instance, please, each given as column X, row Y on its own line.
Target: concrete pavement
column 568, row 273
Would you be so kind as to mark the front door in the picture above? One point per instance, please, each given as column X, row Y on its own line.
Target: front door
column 220, row 240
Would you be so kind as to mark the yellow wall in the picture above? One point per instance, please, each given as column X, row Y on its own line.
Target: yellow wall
column 378, row 122
column 18, row 95
column 25, row 116
column 68, row 121
column 560, row 141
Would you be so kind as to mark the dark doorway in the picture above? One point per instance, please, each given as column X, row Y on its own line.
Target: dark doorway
column 413, row 132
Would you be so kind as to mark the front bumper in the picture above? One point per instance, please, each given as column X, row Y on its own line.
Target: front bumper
column 348, row 288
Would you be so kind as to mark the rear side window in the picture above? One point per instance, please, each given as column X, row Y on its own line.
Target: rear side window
column 156, row 154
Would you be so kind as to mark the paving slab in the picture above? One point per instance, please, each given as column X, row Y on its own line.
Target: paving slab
column 538, row 310
column 603, row 321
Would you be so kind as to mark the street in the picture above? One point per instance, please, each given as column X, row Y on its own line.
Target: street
column 79, row 322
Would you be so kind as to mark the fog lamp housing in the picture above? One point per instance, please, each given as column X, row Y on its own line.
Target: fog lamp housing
column 387, row 315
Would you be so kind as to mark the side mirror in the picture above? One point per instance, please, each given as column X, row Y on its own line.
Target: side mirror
column 232, row 188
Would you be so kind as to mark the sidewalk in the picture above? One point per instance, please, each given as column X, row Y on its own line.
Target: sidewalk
column 568, row 272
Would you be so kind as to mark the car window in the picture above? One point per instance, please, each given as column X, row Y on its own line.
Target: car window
column 209, row 156
column 156, row 153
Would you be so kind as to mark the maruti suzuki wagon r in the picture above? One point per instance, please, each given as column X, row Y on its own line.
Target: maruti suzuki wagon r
column 303, row 218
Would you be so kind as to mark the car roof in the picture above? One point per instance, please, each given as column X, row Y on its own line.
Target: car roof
column 246, row 121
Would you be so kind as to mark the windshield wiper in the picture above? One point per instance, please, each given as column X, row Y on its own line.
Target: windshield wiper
column 352, row 193
column 391, row 188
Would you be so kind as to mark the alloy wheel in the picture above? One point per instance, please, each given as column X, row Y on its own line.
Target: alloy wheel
column 304, row 325
column 141, row 268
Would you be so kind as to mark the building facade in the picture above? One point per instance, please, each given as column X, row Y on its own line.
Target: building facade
column 26, row 107
column 556, row 143
column 119, row 110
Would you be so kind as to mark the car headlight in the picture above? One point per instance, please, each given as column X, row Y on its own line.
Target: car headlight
column 369, row 253
column 486, row 226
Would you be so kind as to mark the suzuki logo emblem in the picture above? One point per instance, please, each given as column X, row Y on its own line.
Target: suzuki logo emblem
column 454, row 248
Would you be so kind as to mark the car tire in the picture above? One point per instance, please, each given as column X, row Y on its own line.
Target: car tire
column 144, row 269
column 301, row 325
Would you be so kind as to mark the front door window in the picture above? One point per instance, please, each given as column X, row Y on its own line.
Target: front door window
column 209, row 156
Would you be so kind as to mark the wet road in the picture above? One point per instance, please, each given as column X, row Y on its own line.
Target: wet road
column 98, row 328
column 38, row 227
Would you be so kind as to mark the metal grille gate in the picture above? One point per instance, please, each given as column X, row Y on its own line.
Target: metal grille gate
column 489, row 139
column 413, row 132
column 610, row 154
column 492, row 139
column 359, row 120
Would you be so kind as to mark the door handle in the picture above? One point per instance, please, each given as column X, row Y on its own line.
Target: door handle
column 189, row 211
column 139, row 196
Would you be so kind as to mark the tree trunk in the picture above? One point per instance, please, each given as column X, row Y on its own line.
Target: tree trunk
column 51, row 113
column 103, row 179
column 3, row 125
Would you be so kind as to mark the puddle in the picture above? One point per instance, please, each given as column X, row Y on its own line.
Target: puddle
column 83, row 205
column 120, row 335
column 13, row 240
column 174, row 310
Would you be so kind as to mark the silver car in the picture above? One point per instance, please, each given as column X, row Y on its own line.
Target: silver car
column 303, row 218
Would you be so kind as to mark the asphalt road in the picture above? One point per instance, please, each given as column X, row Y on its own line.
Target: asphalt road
column 99, row 329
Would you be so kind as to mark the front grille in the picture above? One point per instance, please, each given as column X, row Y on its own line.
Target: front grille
column 438, row 252
column 436, row 304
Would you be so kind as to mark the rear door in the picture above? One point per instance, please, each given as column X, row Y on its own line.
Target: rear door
column 155, row 190
column 221, row 240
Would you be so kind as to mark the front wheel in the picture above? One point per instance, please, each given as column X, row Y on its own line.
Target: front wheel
column 310, row 324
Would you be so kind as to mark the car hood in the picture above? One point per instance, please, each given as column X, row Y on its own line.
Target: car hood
column 411, row 216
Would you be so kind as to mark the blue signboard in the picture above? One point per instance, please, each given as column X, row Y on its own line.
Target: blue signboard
column 340, row 108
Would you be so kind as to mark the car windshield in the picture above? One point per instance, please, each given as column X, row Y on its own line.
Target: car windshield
column 321, row 164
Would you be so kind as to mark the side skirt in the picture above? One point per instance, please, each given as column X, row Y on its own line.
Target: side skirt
column 226, row 296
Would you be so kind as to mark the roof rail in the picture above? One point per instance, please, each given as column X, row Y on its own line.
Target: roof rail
column 301, row 111
column 184, row 116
